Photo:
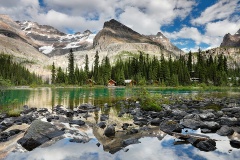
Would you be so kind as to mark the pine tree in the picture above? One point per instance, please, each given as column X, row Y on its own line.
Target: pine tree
column 86, row 68
column 53, row 74
column 60, row 77
column 189, row 62
column 96, row 68
column 71, row 76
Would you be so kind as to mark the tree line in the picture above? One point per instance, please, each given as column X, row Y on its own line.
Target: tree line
column 12, row 73
column 144, row 69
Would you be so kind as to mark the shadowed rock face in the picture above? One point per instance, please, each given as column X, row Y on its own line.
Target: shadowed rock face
column 231, row 40
column 38, row 133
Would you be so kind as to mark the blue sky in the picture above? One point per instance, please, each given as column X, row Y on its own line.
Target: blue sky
column 189, row 24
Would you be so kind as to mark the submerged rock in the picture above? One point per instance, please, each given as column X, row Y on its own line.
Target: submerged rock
column 77, row 122
column 38, row 133
column 109, row 131
column 130, row 141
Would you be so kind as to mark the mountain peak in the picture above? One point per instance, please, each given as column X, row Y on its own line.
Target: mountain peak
column 231, row 40
column 116, row 25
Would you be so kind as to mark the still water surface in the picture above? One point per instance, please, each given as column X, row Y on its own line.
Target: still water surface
column 73, row 97
column 151, row 147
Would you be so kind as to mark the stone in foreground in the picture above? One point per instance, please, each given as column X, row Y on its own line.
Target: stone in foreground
column 225, row 131
column 169, row 126
column 109, row 131
column 38, row 133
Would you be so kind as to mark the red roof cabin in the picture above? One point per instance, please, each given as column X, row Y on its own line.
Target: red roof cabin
column 111, row 83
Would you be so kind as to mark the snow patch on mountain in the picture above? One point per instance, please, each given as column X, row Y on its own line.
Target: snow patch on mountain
column 50, row 39
column 46, row 49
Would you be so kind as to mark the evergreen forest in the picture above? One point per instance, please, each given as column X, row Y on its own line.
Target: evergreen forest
column 191, row 69
column 12, row 73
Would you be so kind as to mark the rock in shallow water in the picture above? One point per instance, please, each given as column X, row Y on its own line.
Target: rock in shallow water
column 38, row 133
column 225, row 131
column 235, row 143
column 130, row 141
column 169, row 126
column 207, row 145
column 77, row 122
column 101, row 125
column 109, row 131
column 192, row 124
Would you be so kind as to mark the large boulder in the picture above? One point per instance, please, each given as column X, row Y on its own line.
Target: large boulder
column 192, row 124
column 229, row 121
column 235, row 143
column 206, row 145
column 169, row 126
column 38, row 133
column 202, row 142
column 225, row 131
column 195, row 117
column 213, row 126
column 156, row 122
column 178, row 114
column 207, row 116
column 110, row 131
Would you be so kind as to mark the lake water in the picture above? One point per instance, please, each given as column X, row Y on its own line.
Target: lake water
column 153, row 145
column 73, row 97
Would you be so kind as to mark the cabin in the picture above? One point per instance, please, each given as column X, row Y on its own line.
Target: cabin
column 129, row 82
column 111, row 83
column 91, row 82
column 193, row 79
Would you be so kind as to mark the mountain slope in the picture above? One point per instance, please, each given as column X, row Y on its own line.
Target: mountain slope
column 116, row 37
column 53, row 42
column 13, row 41
column 231, row 40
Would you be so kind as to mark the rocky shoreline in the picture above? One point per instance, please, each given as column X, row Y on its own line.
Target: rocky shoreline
column 210, row 115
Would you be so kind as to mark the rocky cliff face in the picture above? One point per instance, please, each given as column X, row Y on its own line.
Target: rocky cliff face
column 231, row 40
column 13, row 41
column 53, row 42
column 116, row 37
column 232, row 54
column 165, row 42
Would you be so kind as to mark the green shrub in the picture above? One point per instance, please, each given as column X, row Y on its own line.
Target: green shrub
column 149, row 102
column 14, row 113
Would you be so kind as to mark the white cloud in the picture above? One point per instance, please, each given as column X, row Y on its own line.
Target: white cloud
column 145, row 16
column 220, row 28
column 186, row 33
column 194, row 34
column 221, row 10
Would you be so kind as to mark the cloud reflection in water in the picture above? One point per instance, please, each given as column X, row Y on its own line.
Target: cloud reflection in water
column 149, row 149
